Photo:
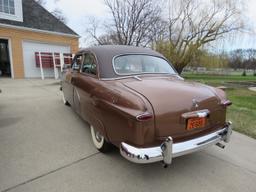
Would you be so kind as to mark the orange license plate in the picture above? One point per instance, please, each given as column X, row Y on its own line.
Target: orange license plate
column 196, row 123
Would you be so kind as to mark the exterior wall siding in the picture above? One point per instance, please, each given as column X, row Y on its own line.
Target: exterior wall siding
column 16, row 38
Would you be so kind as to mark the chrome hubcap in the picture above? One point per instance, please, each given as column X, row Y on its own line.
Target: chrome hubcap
column 98, row 136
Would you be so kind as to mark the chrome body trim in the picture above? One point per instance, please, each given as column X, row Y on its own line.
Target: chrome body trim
column 141, row 75
column 136, row 77
column 169, row 150
column 196, row 114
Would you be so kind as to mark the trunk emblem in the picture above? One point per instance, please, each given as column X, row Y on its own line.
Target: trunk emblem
column 195, row 103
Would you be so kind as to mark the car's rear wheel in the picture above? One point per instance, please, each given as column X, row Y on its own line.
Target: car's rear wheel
column 99, row 141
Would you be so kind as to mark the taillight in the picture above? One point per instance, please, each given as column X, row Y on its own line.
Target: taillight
column 144, row 117
column 226, row 103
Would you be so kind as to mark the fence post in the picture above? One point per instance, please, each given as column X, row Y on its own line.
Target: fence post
column 61, row 61
column 41, row 65
column 56, row 72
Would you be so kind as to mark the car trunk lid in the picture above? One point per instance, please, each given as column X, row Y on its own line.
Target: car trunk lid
column 171, row 98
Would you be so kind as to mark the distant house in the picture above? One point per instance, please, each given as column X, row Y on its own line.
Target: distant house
column 26, row 28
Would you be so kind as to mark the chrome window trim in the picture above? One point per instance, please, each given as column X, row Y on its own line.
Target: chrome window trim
column 97, row 76
column 89, row 74
column 136, row 74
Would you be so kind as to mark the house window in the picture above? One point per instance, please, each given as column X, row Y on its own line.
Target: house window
column 7, row 6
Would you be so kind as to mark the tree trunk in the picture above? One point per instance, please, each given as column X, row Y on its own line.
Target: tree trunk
column 179, row 68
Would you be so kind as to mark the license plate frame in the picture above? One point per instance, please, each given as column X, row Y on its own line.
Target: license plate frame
column 196, row 123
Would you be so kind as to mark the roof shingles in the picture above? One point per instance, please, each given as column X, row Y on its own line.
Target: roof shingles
column 36, row 17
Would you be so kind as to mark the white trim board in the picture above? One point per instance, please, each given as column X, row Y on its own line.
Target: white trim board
column 37, row 30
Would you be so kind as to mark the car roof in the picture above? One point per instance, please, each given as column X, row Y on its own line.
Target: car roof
column 106, row 53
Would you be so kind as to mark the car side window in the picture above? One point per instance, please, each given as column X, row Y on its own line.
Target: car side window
column 89, row 64
column 77, row 62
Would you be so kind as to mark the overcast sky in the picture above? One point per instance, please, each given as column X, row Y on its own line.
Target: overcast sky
column 78, row 11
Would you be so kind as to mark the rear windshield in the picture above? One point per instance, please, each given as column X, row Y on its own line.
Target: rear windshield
column 141, row 64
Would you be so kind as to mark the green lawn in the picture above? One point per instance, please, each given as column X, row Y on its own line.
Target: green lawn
column 219, row 80
column 243, row 111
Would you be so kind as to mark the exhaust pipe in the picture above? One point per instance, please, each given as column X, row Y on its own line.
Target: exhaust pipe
column 220, row 145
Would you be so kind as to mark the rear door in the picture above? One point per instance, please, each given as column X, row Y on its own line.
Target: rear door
column 85, row 85
column 68, row 79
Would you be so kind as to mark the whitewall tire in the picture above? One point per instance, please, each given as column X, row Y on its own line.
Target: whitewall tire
column 99, row 141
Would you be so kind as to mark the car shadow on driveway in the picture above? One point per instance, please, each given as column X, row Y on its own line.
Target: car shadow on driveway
column 7, row 122
column 195, row 172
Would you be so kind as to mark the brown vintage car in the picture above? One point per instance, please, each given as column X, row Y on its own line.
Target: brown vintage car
column 134, row 99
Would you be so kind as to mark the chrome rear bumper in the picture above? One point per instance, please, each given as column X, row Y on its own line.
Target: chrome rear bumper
column 169, row 150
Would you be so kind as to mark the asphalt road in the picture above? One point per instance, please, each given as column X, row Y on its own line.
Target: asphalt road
column 45, row 146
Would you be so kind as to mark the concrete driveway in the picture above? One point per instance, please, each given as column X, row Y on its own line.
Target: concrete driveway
column 45, row 146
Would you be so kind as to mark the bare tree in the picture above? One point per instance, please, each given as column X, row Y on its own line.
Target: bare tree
column 94, row 26
column 237, row 60
column 189, row 26
column 133, row 22
column 195, row 23
column 41, row 2
column 56, row 12
column 59, row 15
column 253, row 60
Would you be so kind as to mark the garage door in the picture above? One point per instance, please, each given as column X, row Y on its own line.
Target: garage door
column 29, row 49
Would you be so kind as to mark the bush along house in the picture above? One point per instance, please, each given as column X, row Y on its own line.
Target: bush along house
column 29, row 37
